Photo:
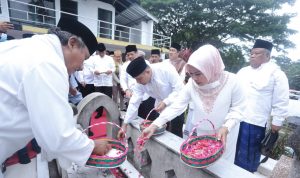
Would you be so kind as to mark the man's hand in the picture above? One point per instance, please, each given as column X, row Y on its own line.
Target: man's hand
column 161, row 106
column 148, row 132
column 4, row 26
column 275, row 128
column 101, row 147
column 108, row 72
column 121, row 134
column 128, row 93
column 96, row 72
column 73, row 91
column 222, row 134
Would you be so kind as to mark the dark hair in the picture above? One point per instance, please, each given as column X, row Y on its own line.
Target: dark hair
column 64, row 36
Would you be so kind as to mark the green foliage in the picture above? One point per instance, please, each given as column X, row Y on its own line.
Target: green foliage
column 194, row 22
column 291, row 69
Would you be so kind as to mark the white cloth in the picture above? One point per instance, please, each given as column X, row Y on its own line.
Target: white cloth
column 23, row 170
column 86, row 75
column 165, row 84
column 267, row 92
column 102, row 65
column 34, row 101
column 227, row 111
column 128, row 82
column 181, row 74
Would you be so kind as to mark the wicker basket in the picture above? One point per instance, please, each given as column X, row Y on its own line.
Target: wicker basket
column 108, row 161
column 210, row 158
column 146, row 123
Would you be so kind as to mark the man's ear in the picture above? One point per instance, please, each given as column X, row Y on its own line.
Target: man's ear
column 72, row 42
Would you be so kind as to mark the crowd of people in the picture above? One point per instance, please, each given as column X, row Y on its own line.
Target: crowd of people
column 182, row 90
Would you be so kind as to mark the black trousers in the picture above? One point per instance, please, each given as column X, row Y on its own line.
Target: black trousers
column 105, row 90
column 145, row 107
column 87, row 89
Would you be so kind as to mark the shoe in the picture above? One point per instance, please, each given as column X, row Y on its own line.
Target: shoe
column 91, row 133
column 98, row 115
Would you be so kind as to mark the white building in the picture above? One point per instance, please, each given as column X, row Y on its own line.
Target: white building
column 117, row 20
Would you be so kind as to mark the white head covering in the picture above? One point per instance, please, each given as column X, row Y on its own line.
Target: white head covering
column 208, row 60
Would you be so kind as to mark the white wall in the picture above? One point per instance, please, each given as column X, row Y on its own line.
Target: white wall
column 147, row 32
column 88, row 12
column 89, row 9
column 4, row 16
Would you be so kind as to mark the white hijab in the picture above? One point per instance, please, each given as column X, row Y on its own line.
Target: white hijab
column 208, row 60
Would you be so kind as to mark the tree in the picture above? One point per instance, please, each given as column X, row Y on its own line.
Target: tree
column 195, row 22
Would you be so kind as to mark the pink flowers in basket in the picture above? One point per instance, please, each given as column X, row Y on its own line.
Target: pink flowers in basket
column 202, row 149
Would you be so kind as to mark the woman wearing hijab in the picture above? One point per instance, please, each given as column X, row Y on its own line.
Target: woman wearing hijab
column 216, row 95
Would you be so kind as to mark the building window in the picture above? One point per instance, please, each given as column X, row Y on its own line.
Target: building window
column 71, row 9
column 105, row 23
column 37, row 12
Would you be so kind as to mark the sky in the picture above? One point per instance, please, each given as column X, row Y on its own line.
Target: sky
column 294, row 54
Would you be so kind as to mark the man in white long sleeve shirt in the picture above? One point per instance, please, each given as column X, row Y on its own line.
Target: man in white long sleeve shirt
column 175, row 60
column 161, row 82
column 267, row 92
column 103, row 67
column 86, row 78
column 128, row 82
column 42, row 75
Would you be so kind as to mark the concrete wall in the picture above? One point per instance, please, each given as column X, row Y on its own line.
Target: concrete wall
column 161, row 159
column 4, row 15
column 147, row 32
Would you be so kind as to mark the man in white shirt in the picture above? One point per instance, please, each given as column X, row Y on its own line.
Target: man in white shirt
column 127, row 83
column 43, row 75
column 161, row 82
column 267, row 92
column 155, row 56
column 103, row 67
column 175, row 60
column 86, row 78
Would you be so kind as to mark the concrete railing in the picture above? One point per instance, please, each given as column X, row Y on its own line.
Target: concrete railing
column 160, row 157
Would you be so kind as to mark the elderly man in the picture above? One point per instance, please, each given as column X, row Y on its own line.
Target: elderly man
column 34, row 95
column 161, row 82
column 267, row 92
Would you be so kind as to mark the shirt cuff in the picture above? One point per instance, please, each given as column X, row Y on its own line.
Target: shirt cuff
column 167, row 102
column 230, row 123
column 158, row 123
column 90, row 149
column 278, row 121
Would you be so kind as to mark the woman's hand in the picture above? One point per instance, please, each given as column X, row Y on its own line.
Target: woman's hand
column 148, row 132
column 222, row 134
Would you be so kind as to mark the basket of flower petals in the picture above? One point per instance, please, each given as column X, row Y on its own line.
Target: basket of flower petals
column 201, row 151
column 146, row 123
column 116, row 155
